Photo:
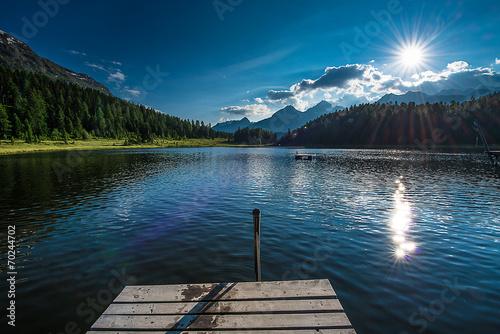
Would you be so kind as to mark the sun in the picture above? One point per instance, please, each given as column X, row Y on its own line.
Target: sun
column 411, row 56
column 411, row 50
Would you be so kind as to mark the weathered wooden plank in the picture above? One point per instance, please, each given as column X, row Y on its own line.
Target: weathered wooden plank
column 247, row 306
column 277, row 331
column 228, row 291
column 223, row 322
column 302, row 307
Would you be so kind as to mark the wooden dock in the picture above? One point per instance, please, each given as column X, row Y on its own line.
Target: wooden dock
column 308, row 306
column 305, row 156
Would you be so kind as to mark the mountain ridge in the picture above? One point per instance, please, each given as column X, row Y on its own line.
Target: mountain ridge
column 282, row 120
column 18, row 55
column 444, row 96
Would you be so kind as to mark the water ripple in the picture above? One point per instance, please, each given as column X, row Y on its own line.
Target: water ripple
column 391, row 230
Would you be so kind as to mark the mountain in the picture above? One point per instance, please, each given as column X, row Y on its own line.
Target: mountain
column 320, row 109
column 282, row 120
column 232, row 126
column 19, row 56
column 443, row 96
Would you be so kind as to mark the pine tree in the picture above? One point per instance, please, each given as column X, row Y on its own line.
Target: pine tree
column 65, row 136
column 29, row 133
column 5, row 126
column 17, row 127
column 47, row 105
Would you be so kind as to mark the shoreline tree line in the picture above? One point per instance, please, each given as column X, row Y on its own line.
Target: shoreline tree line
column 34, row 107
column 406, row 124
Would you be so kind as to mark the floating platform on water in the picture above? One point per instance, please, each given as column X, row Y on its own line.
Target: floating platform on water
column 494, row 157
column 305, row 156
column 307, row 306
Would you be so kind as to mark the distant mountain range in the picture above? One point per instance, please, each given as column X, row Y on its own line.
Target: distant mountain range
column 17, row 55
column 291, row 118
column 282, row 120
column 232, row 126
column 443, row 96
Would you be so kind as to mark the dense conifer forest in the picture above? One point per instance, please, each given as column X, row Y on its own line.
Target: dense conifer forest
column 410, row 125
column 255, row 136
column 34, row 107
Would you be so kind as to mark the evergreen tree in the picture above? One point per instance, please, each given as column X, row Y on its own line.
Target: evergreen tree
column 46, row 105
column 5, row 126
column 29, row 133
column 17, row 127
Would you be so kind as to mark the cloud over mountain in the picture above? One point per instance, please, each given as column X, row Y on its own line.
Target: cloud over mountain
column 457, row 75
column 248, row 110
column 360, row 83
column 365, row 83
column 279, row 95
column 334, row 77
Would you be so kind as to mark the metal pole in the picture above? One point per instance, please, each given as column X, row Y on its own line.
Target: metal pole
column 256, row 248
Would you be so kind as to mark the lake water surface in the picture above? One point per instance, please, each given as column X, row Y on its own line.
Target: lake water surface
column 409, row 240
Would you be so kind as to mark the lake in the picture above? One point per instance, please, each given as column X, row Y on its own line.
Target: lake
column 409, row 240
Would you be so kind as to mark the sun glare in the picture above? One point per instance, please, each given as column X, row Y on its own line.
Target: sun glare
column 411, row 56
column 400, row 223
column 411, row 49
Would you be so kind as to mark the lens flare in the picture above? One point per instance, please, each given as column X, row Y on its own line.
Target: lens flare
column 411, row 56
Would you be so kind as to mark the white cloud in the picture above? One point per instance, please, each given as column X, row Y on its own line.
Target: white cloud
column 280, row 95
column 97, row 66
column 334, row 77
column 117, row 77
column 248, row 110
column 300, row 104
column 76, row 53
column 116, row 63
column 368, row 83
column 361, row 83
column 457, row 66
column 133, row 92
column 497, row 61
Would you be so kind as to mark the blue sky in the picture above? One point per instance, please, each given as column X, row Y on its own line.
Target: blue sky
column 225, row 59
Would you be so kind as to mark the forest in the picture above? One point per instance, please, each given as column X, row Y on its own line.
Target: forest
column 255, row 136
column 34, row 107
column 409, row 125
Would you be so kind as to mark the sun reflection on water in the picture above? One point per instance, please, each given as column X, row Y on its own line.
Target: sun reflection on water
column 400, row 223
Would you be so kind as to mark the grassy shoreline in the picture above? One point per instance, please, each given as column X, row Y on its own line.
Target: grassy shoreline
column 20, row 147
column 428, row 148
